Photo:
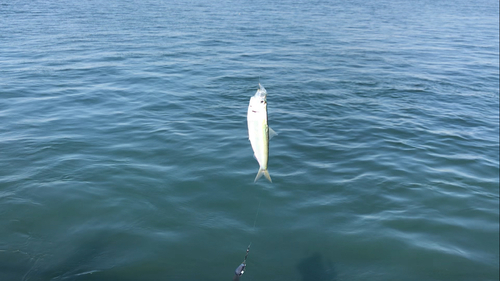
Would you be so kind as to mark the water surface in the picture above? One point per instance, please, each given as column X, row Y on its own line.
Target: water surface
column 125, row 156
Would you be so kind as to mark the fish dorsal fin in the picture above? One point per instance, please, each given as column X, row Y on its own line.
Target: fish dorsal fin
column 272, row 133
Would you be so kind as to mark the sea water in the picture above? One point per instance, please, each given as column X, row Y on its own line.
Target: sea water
column 124, row 152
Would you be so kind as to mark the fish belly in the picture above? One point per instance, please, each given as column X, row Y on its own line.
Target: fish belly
column 260, row 143
column 258, row 133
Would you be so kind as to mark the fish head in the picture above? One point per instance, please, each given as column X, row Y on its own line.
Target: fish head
column 261, row 92
column 258, row 102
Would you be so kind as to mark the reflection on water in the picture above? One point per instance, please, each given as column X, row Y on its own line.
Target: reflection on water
column 315, row 268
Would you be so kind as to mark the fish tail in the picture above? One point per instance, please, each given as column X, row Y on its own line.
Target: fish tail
column 264, row 172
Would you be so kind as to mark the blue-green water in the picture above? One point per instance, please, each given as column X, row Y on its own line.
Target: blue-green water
column 124, row 152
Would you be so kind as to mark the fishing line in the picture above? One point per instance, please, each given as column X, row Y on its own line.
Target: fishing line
column 259, row 71
column 257, row 214
column 241, row 268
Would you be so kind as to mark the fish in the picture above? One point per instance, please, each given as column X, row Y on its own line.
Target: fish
column 259, row 132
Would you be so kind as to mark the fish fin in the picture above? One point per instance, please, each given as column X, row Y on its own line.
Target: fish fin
column 263, row 172
column 272, row 133
column 268, row 177
column 259, row 174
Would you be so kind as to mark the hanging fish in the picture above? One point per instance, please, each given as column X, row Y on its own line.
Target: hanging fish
column 259, row 132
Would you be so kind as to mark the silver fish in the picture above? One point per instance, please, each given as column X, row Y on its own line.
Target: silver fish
column 259, row 132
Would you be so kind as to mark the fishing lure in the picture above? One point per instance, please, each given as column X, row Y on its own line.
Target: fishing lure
column 241, row 268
